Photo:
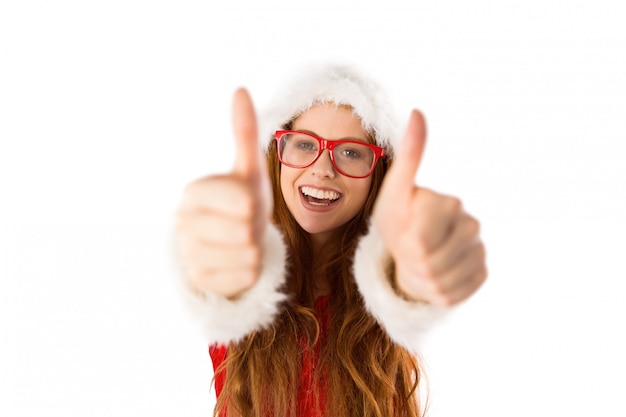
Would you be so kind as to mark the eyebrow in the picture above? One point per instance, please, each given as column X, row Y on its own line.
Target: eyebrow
column 345, row 138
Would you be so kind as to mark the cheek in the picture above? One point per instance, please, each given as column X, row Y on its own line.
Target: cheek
column 361, row 191
column 286, row 182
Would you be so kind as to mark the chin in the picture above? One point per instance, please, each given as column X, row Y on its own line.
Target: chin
column 317, row 229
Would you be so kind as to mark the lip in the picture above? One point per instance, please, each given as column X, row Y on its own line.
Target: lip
column 315, row 208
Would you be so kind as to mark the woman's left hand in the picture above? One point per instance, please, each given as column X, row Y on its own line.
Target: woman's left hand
column 438, row 254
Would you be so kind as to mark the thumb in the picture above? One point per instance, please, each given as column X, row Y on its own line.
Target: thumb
column 398, row 186
column 247, row 160
column 401, row 175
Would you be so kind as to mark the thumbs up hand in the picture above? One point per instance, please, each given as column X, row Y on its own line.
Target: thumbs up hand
column 439, row 257
column 222, row 218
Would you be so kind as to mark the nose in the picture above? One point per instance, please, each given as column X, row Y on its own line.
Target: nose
column 323, row 166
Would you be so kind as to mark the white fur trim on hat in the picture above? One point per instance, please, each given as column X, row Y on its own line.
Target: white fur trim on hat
column 339, row 84
column 225, row 320
column 405, row 321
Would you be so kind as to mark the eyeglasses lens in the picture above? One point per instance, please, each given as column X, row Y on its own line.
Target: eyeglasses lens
column 299, row 150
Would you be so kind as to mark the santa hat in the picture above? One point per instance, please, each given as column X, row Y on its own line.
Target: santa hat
column 338, row 84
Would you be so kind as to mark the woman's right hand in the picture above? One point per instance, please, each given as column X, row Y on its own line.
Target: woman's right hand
column 222, row 219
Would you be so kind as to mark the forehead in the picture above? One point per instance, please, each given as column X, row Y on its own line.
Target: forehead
column 331, row 121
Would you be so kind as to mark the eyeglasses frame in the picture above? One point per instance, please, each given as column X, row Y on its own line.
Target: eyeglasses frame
column 330, row 145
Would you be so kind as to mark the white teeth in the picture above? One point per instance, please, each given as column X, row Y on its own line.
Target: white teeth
column 321, row 194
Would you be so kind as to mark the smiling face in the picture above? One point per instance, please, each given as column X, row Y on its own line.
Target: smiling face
column 320, row 199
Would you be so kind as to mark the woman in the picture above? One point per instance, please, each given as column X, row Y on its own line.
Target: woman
column 318, row 267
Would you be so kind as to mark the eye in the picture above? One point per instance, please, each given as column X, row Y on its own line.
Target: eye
column 351, row 153
column 306, row 145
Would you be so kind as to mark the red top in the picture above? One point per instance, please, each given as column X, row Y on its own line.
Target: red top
column 306, row 397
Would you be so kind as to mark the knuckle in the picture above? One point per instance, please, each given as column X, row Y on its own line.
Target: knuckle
column 194, row 195
column 420, row 245
column 454, row 205
column 428, row 271
column 255, row 256
column 447, row 301
column 233, row 283
column 436, row 288
column 441, row 296
column 482, row 275
column 218, row 282
column 198, row 279
column 443, row 299
column 248, row 257
column 244, row 233
column 248, row 277
column 193, row 188
column 482, row 252
column 190, row 188
column 473, row 225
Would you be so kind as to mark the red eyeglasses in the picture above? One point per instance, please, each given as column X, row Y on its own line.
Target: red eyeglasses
column 350, row 157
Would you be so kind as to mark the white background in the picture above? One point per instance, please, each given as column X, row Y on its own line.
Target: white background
column 107, row 108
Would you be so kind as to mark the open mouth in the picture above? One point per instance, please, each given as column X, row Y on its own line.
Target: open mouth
column 319, row 197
